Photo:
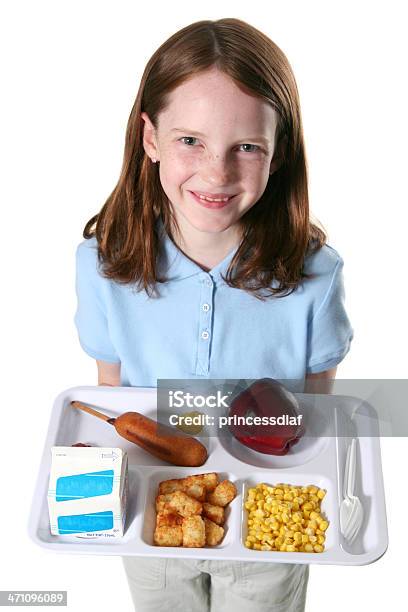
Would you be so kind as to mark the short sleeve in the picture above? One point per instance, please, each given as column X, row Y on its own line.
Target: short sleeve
column 90, row 317
column 329, row 332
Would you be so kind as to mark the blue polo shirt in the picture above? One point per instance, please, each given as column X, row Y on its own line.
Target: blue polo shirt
column 200, row 327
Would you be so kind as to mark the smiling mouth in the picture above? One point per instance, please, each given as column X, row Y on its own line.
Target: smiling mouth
column 214, row 203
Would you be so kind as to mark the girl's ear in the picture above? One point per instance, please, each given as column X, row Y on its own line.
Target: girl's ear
column 149, row 137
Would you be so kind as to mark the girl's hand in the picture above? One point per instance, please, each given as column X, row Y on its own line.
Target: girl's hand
column 108, row 374
column 324, row 382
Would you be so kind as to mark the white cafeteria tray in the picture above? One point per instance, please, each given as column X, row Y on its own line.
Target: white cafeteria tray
column 319, row 461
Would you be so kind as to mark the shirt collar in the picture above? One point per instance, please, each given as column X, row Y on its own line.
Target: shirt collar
column 175, row 265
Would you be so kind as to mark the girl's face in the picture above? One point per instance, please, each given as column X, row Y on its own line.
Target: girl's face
column 216, row 140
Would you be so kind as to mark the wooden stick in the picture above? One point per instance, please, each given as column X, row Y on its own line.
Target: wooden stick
column 104, row 417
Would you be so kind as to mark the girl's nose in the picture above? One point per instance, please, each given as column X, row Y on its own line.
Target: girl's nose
column 217, row 170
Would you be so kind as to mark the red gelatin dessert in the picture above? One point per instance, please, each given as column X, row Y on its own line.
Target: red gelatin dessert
column 279, row 427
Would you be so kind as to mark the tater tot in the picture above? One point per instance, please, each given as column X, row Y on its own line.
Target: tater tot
column 168, row 536
column 180, row 502
column 222, row 494
column 213, row 532
column 168, row 486
column 191, row 486
column 168, row 520
column 209, row 480
column 194, row 489
column 193, row 529
column 214, row 513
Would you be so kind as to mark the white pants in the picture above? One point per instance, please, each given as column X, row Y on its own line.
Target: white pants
column 184, row 585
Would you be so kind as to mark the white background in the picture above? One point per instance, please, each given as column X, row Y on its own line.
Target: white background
column 70, row 73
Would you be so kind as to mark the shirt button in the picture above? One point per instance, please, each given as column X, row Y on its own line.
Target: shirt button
column 206, row 307
column 205, row 335
column 208, row 282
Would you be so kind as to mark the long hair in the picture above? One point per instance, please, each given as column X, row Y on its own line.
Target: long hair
column 277, row 233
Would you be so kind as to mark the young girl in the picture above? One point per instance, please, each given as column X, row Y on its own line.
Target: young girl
column 203, row 263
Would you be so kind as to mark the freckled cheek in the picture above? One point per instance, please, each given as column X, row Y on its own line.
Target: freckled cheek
column 255, row 179
column 178, row 168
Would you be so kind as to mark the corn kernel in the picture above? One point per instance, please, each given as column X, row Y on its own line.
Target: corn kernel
column 321, row 493
column 318, row 548
column 308, row 548
column 323, row 525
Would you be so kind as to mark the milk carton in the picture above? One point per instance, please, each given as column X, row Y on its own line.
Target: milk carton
column 88, row 491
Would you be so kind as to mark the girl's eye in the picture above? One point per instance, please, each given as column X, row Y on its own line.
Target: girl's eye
column 250, row 145
column 188, row 138
column 243, row 145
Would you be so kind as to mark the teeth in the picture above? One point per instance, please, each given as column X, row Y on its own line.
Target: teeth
column 212, row 199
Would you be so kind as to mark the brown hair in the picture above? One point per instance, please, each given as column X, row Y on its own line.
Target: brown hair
column 277, row 233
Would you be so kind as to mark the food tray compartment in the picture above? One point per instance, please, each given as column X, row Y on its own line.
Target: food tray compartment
column 354, row 416
column 76, row 426
column 328, row 506
column 313, row 442
column 134, row 508
column 232, row 510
